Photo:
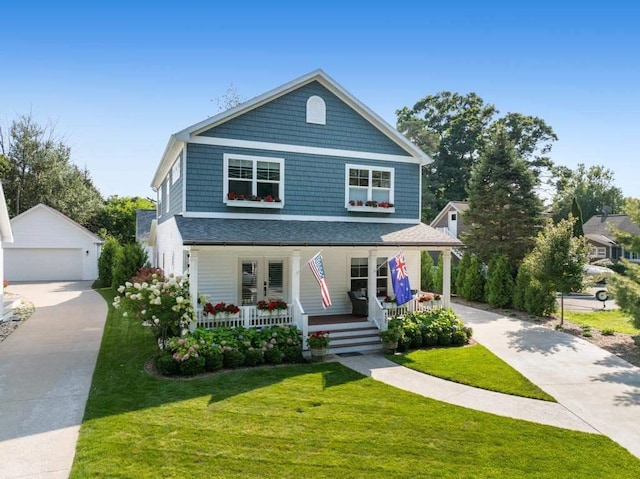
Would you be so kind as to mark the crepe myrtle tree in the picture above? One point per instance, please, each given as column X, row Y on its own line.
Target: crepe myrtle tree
column 558, row 259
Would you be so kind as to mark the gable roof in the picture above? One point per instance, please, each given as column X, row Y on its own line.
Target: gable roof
column 601, row 225
column 6, row 235
column 144, row 219
column 177, row 140
column 245, row 232
column 459, row 206
column 63, row 217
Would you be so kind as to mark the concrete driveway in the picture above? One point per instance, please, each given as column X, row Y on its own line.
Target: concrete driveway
column 587, row 302
column 46, row 367
column 598, row 387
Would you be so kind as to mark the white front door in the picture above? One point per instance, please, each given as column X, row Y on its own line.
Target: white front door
column 453, row 223
column 261, row 279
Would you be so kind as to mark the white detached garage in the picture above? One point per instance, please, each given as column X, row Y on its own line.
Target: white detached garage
column 49, row 246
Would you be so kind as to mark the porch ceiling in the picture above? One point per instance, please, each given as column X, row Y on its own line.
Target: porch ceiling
column 240, row 232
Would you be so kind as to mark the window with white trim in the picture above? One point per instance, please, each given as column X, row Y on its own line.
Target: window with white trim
column 599, row 252
column 360, row 273
column 160, row 200
column 175, row 171
column 369, row 186
column 253, row 181
column 168, row 198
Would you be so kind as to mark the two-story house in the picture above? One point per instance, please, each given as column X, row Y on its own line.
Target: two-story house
column 247, row 197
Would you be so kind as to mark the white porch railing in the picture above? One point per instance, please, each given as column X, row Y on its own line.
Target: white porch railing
column 301, row 320
column 248, row 317
column 411, row 306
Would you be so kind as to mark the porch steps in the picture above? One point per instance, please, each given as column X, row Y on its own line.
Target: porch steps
column 354, row 337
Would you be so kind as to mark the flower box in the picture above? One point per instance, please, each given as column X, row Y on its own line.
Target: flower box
column 370, row 209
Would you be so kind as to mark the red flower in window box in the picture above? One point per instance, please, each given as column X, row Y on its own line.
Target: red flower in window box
column 269, row 199
column 359, row 203
column 385, row 204
column 232, row 195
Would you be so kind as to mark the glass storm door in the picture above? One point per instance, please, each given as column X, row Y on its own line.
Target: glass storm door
column 261, row 279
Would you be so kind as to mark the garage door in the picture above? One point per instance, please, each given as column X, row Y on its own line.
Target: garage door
column 42, row 264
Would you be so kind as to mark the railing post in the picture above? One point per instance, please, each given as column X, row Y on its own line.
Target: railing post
column 446, row 278
column 192, row 271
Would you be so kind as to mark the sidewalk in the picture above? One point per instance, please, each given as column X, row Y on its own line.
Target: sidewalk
column 46, row 367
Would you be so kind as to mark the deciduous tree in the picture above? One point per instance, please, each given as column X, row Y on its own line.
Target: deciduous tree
column 36, row 168
column 593, row 188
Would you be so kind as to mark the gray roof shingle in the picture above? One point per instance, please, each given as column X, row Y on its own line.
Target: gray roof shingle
column 600, row 225
column 214, row 231
column 143, row 223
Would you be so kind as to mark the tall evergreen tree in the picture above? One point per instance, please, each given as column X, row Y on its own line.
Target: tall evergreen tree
column 504, row 212
column 576, row 211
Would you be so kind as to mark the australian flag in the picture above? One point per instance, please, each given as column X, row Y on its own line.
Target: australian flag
column 399, row 278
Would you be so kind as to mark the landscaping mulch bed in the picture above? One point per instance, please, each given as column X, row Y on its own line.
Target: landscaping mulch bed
column 622, row 345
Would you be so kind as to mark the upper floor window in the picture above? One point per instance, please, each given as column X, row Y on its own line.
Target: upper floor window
column 253, row 181
column 160, row 191
column 175, row 171
column 168, row 198
column 316, row 111
column 369, row 187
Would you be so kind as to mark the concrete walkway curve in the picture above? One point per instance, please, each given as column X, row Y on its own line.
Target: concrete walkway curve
column 597, row 386
column 596, row 391
column 46, row 367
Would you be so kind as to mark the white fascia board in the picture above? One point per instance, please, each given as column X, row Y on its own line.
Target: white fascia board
column 168, row 157
column 329, row 83
column 310, row 150
column 261, row 216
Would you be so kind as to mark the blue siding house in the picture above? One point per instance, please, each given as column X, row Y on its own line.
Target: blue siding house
column 247, row 197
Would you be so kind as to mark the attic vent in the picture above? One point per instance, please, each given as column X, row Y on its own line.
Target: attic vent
column 316, row 111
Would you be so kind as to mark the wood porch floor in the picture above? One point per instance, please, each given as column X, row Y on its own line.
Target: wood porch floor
column 335, row 319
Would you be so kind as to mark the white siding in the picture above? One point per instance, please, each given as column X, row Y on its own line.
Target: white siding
column 41, row 229
column 170, row 248
column 218, row 273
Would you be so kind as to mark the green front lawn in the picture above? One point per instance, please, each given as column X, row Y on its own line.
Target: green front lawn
column 602, row 319
column 311, row 421
column 472, row 365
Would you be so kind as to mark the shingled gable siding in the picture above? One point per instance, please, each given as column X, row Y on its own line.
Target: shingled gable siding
column 283, row 120
column 175, row 196
column 314, row 184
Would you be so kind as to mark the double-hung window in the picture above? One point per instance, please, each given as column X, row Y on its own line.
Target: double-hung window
column 253, row 181
column 369, row 186
column 360, row 273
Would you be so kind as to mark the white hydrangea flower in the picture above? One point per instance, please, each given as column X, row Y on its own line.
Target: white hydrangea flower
column 128, row 284
column 120, row 289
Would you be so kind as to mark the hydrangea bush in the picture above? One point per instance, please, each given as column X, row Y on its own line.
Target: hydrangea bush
column 438, row 327
column 162, row 303
column 210, row 350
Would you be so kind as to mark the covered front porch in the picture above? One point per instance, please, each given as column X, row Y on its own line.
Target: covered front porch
column 249, row 270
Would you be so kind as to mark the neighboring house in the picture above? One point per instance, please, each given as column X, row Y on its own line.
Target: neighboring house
column 247, row 197
column 6, row 236
column 49, row 246
column 450, row 219
column 145, row 232
column 599, row 234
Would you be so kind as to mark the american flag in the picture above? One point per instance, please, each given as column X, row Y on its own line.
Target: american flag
column 317, row 269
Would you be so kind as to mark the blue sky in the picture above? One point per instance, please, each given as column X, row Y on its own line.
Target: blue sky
column 117, row 78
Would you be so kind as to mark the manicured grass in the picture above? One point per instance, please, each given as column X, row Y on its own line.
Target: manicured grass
column 612, row 319
column 307, row 421
column 472, row 365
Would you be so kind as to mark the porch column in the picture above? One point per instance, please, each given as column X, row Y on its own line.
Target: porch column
column 446, row 278
column 372, row 274
column 193, row 282
column 294, row 269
